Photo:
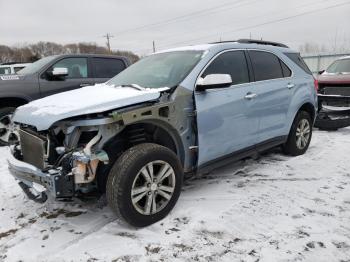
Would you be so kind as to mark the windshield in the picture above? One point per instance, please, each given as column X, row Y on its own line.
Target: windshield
column 36, row 66
column 339, row 66
column 159, row 70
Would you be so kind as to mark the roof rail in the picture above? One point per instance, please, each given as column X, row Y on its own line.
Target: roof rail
column 260, row 42
column 252, row 41
column 10, row 63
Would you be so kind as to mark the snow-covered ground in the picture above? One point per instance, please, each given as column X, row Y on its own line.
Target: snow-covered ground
column 274, row 208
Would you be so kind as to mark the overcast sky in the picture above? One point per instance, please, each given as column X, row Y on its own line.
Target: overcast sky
column 136, row 23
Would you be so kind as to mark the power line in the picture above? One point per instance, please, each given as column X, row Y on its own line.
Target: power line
column 262, row 24
column 182, row 35
column 108, row 36
column 189, row 15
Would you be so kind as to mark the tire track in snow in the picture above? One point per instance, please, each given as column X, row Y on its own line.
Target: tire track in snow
column 98, row 225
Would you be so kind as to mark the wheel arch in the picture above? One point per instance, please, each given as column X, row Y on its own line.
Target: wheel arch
column 13, row 101
column 309, row 108
column 145, row 131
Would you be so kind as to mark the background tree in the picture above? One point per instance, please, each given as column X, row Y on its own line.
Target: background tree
column 33, row 52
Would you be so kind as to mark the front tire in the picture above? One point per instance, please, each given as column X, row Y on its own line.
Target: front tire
column 144, row 184
column 300, row 135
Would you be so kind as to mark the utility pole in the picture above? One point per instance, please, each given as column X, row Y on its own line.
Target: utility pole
column 108, row 36
column 154, row 47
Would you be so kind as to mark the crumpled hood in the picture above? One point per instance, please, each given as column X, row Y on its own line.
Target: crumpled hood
column 44, row 112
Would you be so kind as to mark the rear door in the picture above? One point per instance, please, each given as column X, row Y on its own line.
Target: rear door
column 78, row 76
column 106, row 68
column 273, row 86
column 226, row 117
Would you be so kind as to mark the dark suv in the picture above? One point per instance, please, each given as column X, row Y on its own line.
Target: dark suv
column 51, row 75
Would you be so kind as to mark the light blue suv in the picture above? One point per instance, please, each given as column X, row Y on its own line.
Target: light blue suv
column 176, row 112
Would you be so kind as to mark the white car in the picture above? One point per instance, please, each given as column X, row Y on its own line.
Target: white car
column 9, row 68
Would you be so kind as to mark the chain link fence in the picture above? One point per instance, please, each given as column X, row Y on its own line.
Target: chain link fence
column 317, row 63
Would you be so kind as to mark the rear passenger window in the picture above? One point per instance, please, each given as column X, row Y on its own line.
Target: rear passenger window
column 265, row 65
column 233, row 63
column 107, row 67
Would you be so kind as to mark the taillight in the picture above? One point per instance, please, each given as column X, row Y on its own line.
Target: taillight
column 316, row 84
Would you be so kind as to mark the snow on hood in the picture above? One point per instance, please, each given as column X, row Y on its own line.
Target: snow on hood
column 44, row 112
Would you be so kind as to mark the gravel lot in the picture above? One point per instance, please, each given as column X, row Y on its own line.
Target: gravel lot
column 274, row 208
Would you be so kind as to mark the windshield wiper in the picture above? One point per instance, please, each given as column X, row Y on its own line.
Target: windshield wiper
column 140, row 88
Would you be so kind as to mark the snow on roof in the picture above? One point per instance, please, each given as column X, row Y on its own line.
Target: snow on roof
column 188, row 48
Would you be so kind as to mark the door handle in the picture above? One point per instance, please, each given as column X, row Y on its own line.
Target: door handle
column 250, row 96
column 85, row 84
column 290, row 85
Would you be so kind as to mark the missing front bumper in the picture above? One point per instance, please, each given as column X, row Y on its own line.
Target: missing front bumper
column 30, row 177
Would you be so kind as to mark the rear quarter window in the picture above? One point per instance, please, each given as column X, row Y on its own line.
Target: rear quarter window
column 285, row 69
column 296, row 58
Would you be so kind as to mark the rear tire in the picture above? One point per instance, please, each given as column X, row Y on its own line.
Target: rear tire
column 300, row 135
column 136, row 189
column 6, row 135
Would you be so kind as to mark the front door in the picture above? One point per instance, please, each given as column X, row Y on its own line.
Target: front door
column 226, row 119
column 78, row 76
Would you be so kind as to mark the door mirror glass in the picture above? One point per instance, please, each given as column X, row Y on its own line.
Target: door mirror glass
column 60, row 72
column 214, row 81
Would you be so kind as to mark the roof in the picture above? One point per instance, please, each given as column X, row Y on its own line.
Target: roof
column 234, row 43
column 254, row 41
column 91, row 55
column 187, row 48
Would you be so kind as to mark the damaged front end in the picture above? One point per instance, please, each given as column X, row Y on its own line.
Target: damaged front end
column 333, row 106
column 62, row 161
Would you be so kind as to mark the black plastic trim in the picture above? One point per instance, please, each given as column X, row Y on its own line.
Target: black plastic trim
column 240, row 154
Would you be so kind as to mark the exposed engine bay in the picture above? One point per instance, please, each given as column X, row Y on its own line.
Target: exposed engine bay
column 74, row 156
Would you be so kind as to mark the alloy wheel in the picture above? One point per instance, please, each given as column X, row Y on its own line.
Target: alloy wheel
column 153, row 187
column 303, row 133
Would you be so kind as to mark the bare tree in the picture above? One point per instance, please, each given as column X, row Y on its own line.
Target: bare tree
column 33, row 52
column 310, row 48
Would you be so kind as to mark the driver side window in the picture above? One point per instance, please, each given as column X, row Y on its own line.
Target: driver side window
column 77, row 67
column 233, row 63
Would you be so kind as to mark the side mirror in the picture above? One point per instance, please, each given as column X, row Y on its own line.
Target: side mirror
column 321, row 72
column 59, row 72
column 214, row 81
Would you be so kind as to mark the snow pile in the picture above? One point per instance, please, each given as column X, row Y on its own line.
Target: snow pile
column 275, row 208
